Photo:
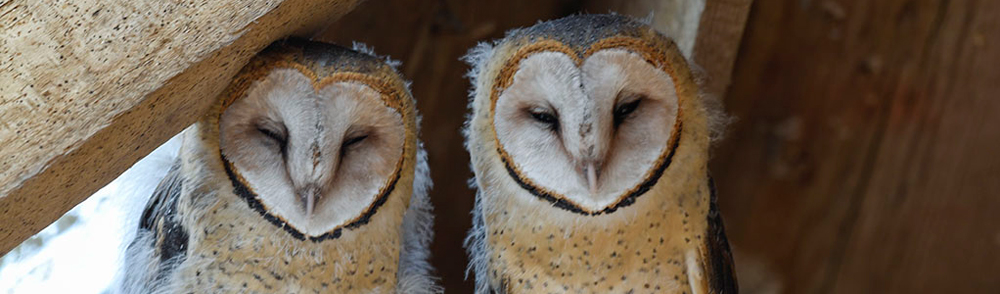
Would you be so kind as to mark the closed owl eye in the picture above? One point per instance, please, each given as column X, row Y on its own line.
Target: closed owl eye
column 546, row 117
column 273, row 132
column 352, row 141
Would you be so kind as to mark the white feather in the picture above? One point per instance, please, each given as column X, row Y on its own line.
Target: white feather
column 415, row 271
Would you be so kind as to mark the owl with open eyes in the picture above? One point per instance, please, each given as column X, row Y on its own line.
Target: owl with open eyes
column 589, row 141
column 307, row 176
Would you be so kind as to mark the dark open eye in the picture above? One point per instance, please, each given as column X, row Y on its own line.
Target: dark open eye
column 274, row 134
column 545, row 117
column 623, row 110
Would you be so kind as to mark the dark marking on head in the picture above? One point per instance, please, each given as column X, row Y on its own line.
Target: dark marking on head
column 581, row 31
column 586, row 128
column 328, row 57
column 316, row 153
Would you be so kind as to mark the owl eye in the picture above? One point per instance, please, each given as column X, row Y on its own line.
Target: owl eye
column 273, row 133
column 352, row 141
column 543, row 116
column 624, row 110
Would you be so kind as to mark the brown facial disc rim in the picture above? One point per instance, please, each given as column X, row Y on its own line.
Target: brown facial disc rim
column 653, row 54
column 242, row 188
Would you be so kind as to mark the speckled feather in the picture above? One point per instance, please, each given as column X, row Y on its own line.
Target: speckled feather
column 198, row 236
column 669, row 240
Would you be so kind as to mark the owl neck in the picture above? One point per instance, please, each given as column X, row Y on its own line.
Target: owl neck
column 243, row 248
column 235, row 245
column 646, row 246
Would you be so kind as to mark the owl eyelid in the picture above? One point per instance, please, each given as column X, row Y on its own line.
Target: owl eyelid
column 277, row 136
column 623, row 110
column 353, row 140
column 545, row 116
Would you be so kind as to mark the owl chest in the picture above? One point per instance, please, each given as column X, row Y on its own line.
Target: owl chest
column 240, row 254
column 643, row 256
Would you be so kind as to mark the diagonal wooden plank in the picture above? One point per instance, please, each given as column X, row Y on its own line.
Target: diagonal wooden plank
column 90, row 86
column 720, row 31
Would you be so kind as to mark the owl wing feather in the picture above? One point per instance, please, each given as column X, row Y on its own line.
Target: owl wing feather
column 160, row 241
column 721, row 273
column 160, row 217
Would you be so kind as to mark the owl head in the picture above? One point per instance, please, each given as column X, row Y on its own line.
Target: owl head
column 316, row 137
column 586, row 112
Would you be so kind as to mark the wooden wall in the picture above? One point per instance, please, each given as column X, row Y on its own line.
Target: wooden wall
column 863, row 158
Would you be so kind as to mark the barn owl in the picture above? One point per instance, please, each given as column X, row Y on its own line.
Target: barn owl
column 589, row 142
column 306, row 176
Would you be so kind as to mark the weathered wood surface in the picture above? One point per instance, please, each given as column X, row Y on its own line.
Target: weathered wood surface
column 719, row 35
column 864, row 155
column 429, row 37
column 88, row 87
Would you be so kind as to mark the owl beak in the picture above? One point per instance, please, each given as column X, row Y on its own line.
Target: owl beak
column 592, row 172
column 308, row 197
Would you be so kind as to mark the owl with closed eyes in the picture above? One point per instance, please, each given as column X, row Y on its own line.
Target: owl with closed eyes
column 306, row 176
column 589, row 140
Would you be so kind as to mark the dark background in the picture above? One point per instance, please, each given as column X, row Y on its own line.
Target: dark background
column 862, row 158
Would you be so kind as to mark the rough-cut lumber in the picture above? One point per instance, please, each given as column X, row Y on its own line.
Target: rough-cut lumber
column 88, row 87
column 719, row 35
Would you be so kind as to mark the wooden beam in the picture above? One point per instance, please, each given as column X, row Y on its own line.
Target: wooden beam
column 88, row 87
column 720, row 32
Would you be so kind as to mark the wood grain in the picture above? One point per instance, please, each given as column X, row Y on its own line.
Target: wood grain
column 720, row 31
column 862, row 159
column 91, row 86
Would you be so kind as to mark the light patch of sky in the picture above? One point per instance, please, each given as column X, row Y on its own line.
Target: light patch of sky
column 82, row 251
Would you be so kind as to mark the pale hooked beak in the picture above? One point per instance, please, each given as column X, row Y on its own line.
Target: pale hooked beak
column 591, row 170
column 308, row 197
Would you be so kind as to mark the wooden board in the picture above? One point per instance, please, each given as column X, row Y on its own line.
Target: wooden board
column 89, row 87
column 863, row 159
column 719, row 35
